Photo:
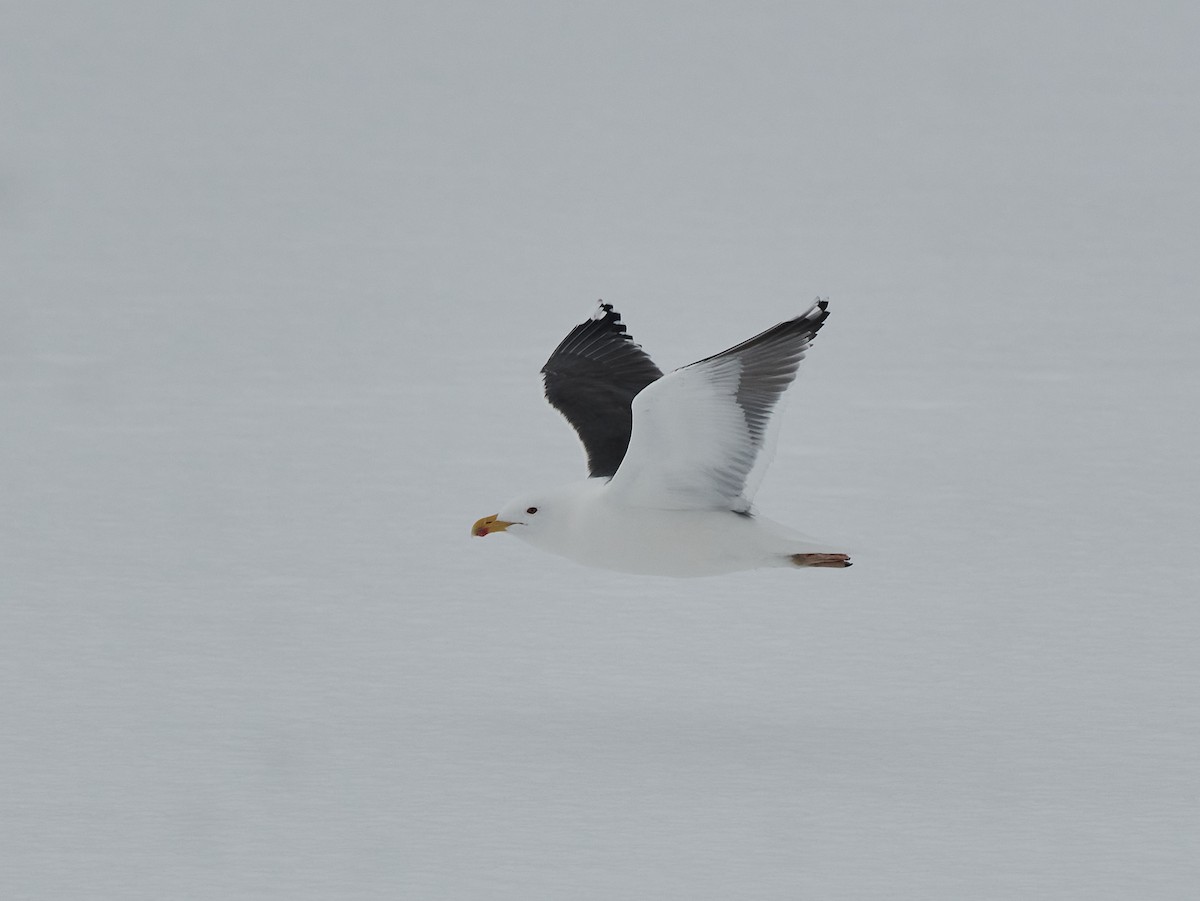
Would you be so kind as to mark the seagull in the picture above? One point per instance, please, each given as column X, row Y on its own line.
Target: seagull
column 673, row 460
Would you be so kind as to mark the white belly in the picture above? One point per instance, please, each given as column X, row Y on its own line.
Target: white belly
column 672, row 542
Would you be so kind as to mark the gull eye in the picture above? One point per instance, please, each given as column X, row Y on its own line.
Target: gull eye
column 531, row 510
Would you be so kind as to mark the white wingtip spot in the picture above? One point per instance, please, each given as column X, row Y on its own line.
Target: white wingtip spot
column 815, row 311
column 601, row 310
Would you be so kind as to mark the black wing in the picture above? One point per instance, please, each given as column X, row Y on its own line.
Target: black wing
column 592, row 378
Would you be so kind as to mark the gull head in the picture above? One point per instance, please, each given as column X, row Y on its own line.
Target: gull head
column 521, row 516
column 546, row 518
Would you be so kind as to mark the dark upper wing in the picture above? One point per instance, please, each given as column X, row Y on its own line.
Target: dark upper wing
column 592, row 378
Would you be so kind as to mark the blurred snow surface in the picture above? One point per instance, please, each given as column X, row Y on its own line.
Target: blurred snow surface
column 276, row 282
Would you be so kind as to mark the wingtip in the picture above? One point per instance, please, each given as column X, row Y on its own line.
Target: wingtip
column 819, row 309
column 605, row 315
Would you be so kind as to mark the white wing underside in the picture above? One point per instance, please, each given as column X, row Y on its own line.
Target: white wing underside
column 704, row 435
column 690, row 449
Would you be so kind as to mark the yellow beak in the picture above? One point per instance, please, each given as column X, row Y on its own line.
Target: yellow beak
column 488, row 525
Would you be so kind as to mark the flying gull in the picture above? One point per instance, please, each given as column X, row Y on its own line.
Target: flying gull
column 673, row 461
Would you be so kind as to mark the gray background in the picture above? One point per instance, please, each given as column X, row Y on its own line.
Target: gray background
column 277, row 279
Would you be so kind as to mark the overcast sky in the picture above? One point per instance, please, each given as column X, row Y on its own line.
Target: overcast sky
column 276, row 281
